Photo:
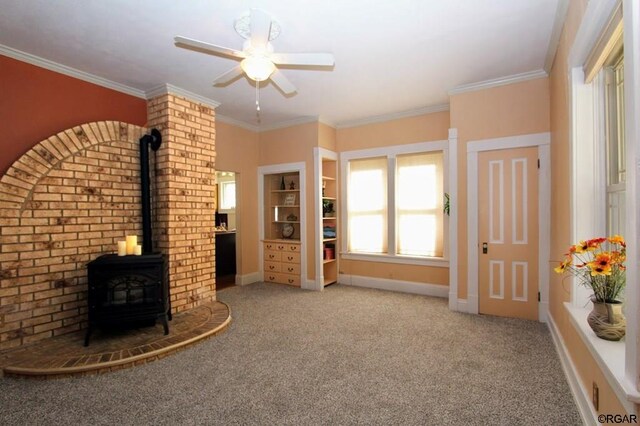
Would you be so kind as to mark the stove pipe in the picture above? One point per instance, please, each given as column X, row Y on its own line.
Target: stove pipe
column 154, row 140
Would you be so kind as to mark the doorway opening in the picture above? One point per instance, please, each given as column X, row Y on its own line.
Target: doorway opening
column 226, row 230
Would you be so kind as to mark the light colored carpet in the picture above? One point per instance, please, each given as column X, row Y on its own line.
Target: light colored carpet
column 343, row 356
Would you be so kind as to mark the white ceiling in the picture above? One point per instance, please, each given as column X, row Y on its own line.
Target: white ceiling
column 391, row 56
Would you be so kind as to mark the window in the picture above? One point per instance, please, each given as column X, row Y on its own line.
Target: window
column 395, row 197
column 614, row 142
column 367, row 200
column 227, row 195
column 419, row 204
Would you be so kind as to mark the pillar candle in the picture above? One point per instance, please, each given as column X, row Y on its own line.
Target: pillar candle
column 137, row 250
column 122, row 248
column 132, row 242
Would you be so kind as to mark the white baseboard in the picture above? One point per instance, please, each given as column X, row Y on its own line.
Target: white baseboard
column 395, row 285
column 543, row 312
column 463, row 305
column 254, row 277
column 580, row 394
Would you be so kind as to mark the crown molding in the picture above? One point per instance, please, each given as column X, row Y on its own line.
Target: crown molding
column 502, row 81
column 288, row 123
column 556, row 32
column 237, row 123
column 166, row 88
column 71, row 72
column 393, row 116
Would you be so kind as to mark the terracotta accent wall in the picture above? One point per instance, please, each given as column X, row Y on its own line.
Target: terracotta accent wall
column 63, row 203
column 559, row 290
column 36, row 103
column 185, row 198
column 510, row 110
column 237, row 150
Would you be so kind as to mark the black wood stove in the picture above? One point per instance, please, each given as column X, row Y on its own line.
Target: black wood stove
column 128, row 290
column 131, row 290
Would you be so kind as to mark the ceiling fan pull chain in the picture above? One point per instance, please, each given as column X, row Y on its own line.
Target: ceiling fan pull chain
column 257, row 96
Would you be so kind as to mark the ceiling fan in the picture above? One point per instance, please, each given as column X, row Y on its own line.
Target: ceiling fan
column 257, row 58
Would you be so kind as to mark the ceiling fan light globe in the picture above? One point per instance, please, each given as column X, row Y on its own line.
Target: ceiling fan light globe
column 258, row 68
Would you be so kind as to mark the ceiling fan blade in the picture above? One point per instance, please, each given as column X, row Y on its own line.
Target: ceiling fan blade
column 260, row 28
column 282, row 82
column 228, row 76
column 309, row 59
column 208, row 48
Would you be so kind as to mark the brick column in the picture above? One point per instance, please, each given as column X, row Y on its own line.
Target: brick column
column 185, row 196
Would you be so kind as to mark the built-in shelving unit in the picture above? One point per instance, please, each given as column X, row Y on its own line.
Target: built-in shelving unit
column 327, row 217
column 281, row 244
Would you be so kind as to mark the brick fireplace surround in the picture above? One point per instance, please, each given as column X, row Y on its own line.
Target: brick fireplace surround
column 74, row 195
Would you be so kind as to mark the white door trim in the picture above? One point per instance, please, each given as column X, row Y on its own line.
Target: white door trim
column 320, row 154
column 453, row 222
column 541, row 140
column 299, row 167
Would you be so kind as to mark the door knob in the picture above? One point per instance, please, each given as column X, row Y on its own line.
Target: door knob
column 485, row 248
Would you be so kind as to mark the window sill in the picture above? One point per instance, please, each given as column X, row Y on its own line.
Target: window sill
column 610, row 356
column 405, row 260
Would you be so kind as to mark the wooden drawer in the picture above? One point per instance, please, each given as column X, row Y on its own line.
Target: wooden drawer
column 280, row 278
column 290, row 257
column 293, row 248
column 269, row 246
column 272, row 266
column 272, row 256
column 288, row 279
column 290, row 268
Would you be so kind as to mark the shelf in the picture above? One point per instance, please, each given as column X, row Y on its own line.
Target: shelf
column 325, row 261
column 285, row 221
column 329, row 218
column 329, row 282
column 328, row 240
column 328, row 178
column 283, row 206
column 285, row 190
column 329, row 198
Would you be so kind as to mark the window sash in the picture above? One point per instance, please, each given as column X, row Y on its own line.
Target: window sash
column 419, row 207
column 367, row 206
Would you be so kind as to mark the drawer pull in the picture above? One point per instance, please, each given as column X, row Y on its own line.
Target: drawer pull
column 290, row 269
column 290, row 281
column 271, row 266
column 280, row 247
column 271, row 256
column 294, row 248
column 289, row 257
column 272, row 278
column 269, row 246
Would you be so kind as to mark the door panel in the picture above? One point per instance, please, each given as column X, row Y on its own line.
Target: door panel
column 508, row 224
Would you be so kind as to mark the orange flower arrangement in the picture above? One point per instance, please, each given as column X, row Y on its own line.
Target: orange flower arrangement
column 598, row 264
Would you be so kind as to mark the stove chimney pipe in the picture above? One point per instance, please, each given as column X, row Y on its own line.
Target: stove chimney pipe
column 154, row 140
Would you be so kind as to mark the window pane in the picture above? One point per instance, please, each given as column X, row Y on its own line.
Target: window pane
column 417, row 234
column 419, row 204
column 228, row 198
column 367, row 205
column 366, row 234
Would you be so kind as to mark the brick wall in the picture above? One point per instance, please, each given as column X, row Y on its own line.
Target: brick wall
column 186, row 196
column 66, row 201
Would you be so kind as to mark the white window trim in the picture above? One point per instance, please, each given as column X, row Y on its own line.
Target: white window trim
column 585, row 224
column 390, row 153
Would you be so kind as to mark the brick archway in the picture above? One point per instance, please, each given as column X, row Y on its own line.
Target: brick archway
column 65, row 201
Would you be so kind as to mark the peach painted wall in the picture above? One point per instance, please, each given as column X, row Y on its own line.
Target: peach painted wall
column 422, row 128
column 327, row 136
column 510, row 110
column 237, row 151
column 36, row 103
column 559, row 291
column 291, row 145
